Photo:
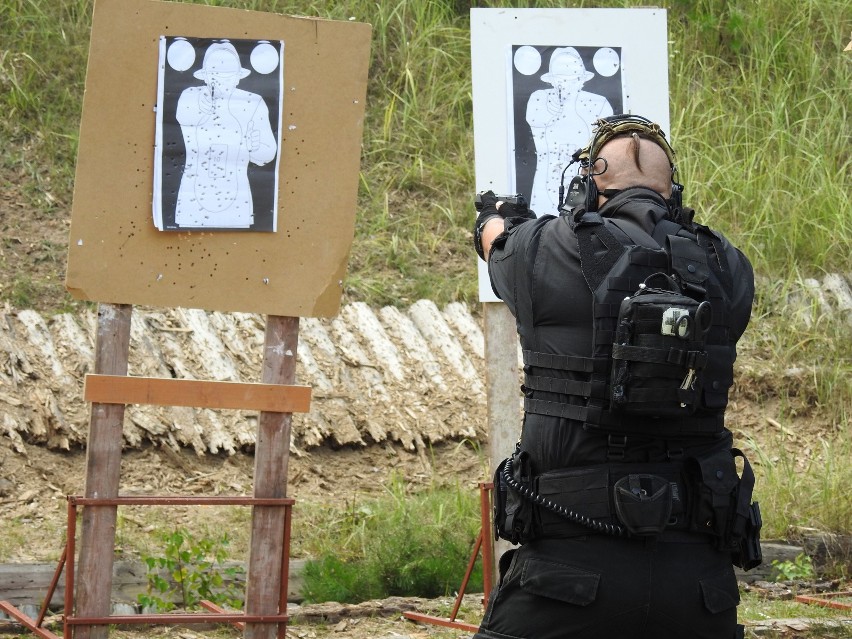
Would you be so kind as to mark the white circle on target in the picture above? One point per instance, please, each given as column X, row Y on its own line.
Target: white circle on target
column 181, row 55
column 264, row 58
column 527, row 60
column 606, row 61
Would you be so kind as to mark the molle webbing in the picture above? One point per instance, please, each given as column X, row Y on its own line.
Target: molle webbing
column 562, row 386
column 617, row 256
column 585, row 389
column 555, row 409
column 563, row 362
column 598, row 418
column 676, row 356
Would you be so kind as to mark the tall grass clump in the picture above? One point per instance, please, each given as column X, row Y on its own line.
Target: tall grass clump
column 798, row 489
column 403, row 543
column 43, row 49
column 760, row 110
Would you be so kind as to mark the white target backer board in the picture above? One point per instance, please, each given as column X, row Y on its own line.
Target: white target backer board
column 541, row 77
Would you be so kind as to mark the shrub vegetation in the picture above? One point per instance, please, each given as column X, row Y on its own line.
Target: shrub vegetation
column 398, row 544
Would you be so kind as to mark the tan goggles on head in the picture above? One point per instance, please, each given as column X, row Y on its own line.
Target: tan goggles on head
column 607, row 128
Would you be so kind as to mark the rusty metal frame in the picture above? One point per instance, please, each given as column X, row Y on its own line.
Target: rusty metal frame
column 30, row 624
column 483, row 543
column 218, row 615
column 824, row 600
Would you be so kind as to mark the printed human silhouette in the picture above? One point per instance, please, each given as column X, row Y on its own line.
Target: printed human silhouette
column 224, row 128
column 561, row 121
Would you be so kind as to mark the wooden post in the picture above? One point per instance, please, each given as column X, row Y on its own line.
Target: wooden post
column 503, row 401
column 271, row 460
column 103, row 465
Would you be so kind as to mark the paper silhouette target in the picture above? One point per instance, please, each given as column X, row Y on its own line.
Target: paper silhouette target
column 557, row 94
column 218, row 125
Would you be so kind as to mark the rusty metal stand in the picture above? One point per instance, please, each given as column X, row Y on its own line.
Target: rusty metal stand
column 825, row 600
column 30, row 624
column 483, row 543
column 219, row 615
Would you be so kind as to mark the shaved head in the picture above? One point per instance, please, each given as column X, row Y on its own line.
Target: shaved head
column 632, row 160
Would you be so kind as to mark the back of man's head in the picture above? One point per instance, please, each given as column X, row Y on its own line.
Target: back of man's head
column 633, row 160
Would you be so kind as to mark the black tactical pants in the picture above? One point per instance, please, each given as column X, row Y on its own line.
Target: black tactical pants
column 604, row 587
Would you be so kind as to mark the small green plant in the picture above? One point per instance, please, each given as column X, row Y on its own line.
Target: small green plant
column 22, row 292
column 798, row 569
column 402, row 544
column 190, row 569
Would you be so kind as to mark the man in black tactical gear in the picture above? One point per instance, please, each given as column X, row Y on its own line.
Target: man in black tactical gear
column 623, row 490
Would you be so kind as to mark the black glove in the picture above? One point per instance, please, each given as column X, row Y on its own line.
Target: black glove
column 486, row 204
column 513, row 206
column 518, row 207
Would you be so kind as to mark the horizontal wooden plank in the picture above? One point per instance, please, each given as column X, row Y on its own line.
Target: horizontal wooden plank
column 118, row 389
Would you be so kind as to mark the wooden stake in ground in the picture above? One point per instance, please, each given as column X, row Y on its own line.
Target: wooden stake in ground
column 501, row 379
column 272, row 455
column 103, row 465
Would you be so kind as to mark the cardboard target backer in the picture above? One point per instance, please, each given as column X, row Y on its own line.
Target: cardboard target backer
column 254, row 182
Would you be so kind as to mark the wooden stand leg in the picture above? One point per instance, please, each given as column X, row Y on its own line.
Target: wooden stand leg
column 103, row 465
column 503, row 410
column 272, row 454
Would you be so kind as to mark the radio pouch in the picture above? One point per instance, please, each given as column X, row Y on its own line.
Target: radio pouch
column 643, row 503
column 747, row 554
column 722, row 506
column 746, row 522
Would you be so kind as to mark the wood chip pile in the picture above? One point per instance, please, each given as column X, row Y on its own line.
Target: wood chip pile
column 412, row 376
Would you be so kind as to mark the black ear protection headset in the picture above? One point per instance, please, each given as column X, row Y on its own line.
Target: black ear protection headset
column 582, row 190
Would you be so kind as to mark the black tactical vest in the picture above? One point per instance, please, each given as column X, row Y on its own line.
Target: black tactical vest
column 662, row 361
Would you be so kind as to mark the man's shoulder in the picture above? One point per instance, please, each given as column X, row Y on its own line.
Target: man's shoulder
column 720, row 237
column 520, row 233
column 529, row 225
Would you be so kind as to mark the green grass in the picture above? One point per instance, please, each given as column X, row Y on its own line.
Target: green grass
column 798, row 488
column 401, row 544
column 762, row 122
column 759, row 118
column 766, row 159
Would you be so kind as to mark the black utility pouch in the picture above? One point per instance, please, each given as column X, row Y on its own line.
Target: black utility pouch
column 659, row 352
column 643, row 503
column 513, row 513
column 748, row 554
column 714, row 481
column 584, row 491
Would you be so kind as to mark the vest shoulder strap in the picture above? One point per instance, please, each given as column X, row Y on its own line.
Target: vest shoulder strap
column 601, row 242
